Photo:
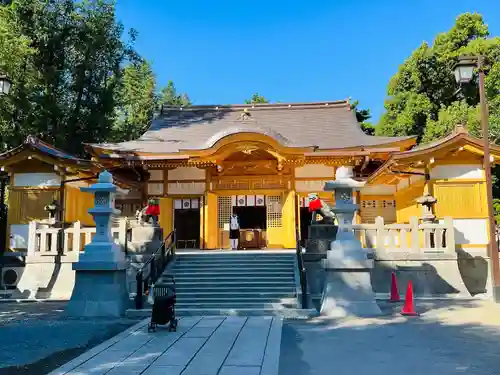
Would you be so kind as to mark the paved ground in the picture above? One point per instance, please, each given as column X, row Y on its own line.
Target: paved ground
column 36, row 338
column 448, row 338
column 201, row 346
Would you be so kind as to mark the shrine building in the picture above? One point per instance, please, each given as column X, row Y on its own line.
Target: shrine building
column 259, row 161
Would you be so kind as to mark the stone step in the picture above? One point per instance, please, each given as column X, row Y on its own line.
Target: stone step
column 236, row 288
column 236, row 299
column 232, row 273
column 200, row 278
column 288, row 313
column 239, row 264
column 235, row 283
column 243, row 294
column 236, row 305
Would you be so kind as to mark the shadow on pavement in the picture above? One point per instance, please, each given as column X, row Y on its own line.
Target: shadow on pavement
column 445, row 339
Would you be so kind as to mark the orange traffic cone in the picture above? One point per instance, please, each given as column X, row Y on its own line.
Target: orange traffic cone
column 409, row 307
column 394, row 289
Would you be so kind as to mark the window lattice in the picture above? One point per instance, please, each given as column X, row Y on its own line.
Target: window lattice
column 225, row 208
column 370, row 209
column 274, row 216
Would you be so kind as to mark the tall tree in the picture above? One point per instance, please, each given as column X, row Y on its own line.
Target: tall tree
column 16, row 55
column 363, row 115
column 67, row 90
column 169, row 96
column 136, row 101
column 256, row 99
column 423, row 97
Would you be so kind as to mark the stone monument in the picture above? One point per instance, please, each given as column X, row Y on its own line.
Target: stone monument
column 347, row 288
column 100, row 282
column 320, row 234
column 146, row 237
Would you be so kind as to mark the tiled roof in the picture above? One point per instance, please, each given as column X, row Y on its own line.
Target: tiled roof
column 326, row 125
column 45, row 148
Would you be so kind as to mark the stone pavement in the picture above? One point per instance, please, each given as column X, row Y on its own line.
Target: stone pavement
column 201, row 346
column 448, row 338
column 36, row 337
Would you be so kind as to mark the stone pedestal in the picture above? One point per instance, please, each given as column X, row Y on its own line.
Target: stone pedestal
column 100, row 273
column 347, row 288
column 145, row 240
column 318, row 243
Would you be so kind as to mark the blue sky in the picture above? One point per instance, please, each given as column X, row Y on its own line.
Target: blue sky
column 221, row 52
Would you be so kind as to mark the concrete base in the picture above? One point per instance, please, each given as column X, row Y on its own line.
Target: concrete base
column 99, row 294
column 348, row 293
column 431, row 274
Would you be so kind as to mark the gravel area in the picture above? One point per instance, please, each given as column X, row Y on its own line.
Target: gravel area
column 35, row 338
column 447, row 338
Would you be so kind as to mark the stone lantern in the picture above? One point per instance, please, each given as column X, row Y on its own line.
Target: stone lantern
column 427, row 201
column 100, row 281
column 52, row 209
column 347, row 289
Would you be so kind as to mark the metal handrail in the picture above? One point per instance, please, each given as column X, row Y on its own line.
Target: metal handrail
column 156, row 264
column 302, row 271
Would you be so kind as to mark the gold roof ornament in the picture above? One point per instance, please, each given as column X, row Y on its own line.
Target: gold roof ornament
column 245, row 115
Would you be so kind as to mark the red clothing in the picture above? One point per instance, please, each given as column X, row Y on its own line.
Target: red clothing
column 315, row 205
column 153, row 210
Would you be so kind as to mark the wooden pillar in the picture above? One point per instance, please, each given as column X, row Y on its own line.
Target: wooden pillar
column 210, row 234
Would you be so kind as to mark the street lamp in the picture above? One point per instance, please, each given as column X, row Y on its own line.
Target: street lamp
column 464, row 70
column 5, row 84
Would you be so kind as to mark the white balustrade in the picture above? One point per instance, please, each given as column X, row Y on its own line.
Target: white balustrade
column 413, row 237
column 45, row 240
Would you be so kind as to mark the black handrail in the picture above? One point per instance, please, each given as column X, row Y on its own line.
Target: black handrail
column 302, row 270
column 156, row 263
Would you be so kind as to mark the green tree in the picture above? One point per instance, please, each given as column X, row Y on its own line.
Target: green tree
column 16, row 55
column 169, row 96
column 423, row 97
column 66, row 92
column 136, row 102
column 362, row 115
column 256, row 99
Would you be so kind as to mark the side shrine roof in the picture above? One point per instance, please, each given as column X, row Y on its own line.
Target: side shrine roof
column 33, row 143
column 324, row 125
column 447, row 148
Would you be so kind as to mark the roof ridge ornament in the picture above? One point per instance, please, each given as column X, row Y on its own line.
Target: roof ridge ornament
column 245, row 115
column 31, row 139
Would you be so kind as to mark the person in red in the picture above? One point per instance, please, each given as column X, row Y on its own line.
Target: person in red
column 315, row 205
column 153, row 210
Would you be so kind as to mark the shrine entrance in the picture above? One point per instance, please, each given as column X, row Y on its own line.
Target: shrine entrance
column 187, row 223
column 251, row 211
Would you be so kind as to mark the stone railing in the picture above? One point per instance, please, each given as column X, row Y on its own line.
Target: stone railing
column 413, row 237
column 46, row 240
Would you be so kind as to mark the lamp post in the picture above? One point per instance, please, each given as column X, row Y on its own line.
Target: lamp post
column 5, row 84
column 464, row 71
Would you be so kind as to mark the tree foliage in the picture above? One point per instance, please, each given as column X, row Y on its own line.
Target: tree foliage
column 256, row 99
column 76, row 76
column 169, row 96
column 423, row 97
column 363, row 115
column 136, row 101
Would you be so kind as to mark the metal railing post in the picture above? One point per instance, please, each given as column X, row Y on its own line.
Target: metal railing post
column 139, row 303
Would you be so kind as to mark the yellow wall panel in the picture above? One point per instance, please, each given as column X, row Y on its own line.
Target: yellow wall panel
column 26, row 205
column 76, row 206
column 166, row 215
column 460, row 200
column 406, row 206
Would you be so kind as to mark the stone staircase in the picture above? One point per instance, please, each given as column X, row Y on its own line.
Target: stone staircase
column 237, row 283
